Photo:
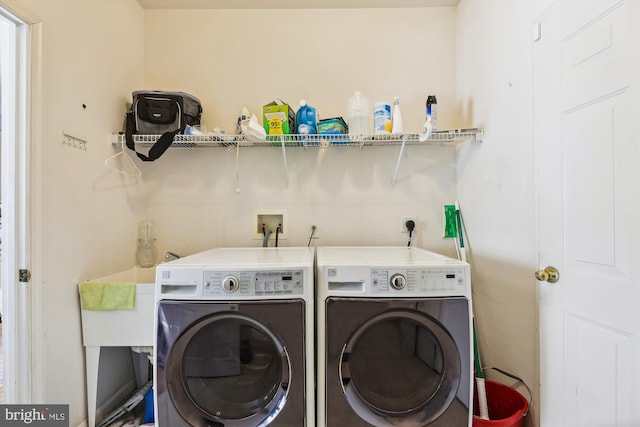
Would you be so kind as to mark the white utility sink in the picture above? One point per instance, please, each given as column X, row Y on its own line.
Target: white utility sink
column 118, row 328
column 123, row 327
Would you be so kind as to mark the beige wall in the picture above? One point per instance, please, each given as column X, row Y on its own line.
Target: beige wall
column 496, row 182
column 231, row 58
column 96, row 52
column 92, row 55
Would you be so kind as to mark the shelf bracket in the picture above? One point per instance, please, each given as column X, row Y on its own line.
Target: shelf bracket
column 238, row 168
column 395, row 173
column 284, row 159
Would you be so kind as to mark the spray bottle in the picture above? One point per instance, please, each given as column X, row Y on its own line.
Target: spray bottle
column 396, row 125
column 432, row 112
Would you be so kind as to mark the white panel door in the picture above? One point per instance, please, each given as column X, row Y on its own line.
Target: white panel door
column 588, row 162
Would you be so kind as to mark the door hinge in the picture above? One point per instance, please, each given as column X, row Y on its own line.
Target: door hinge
column 24, row 276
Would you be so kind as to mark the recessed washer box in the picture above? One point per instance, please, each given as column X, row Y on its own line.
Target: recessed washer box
column 270, row 218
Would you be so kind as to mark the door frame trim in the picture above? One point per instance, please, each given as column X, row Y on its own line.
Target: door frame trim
column 24, row 348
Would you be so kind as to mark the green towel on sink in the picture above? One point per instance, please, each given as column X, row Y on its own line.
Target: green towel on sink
column 108, row 296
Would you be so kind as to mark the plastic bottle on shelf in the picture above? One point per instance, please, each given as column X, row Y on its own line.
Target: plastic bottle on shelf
column 432, row 112
column 382, row 117
column 396, row 124
column 306, row 119
column 243, row 118
column 358, row 114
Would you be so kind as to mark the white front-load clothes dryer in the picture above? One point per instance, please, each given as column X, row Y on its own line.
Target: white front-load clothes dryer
column 234, row 339
column 394, row 338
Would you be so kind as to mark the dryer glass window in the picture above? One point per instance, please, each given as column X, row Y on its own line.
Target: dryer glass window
column 396, row 365
column 399, row 364
column 232, row 367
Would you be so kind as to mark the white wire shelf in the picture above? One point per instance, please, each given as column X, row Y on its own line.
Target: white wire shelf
column 285, row 142
column 448, row 137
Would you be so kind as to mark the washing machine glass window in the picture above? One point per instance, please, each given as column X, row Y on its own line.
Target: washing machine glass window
column 232, row 368
column 400, row 364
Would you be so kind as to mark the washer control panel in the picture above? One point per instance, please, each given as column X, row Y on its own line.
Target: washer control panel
column 420, row 280
column 250, row 283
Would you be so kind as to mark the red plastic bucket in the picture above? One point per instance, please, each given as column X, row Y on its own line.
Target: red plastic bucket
column 507, row 407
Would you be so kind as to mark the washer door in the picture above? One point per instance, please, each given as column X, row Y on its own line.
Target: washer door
column 230, row 369
column 400, row 366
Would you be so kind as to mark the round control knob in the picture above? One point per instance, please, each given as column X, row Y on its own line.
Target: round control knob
column 230, row 284
column 398, row 281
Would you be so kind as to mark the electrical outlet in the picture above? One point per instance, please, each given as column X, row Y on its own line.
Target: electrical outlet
column 404, row 219
column 270, row 218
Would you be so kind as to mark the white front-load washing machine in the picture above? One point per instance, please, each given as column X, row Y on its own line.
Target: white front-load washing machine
column 394, row 338
column 234, row 339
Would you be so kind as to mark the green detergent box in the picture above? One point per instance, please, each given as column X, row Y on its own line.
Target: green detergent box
column 278, row 118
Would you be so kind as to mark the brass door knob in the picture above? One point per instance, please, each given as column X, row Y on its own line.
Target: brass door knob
column 549, row 274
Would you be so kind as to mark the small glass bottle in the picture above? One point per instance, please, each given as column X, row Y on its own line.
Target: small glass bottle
column 146, row 253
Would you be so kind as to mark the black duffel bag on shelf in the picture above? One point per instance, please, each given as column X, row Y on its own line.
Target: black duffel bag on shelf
column 155, row 112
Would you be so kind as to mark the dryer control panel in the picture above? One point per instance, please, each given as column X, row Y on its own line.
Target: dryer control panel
column 252, row 283
column 418, row 281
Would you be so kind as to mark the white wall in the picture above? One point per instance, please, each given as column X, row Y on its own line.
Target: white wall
column 92, row 55
column 496, row 181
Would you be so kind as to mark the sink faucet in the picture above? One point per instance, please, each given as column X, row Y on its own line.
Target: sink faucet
column 170, row 256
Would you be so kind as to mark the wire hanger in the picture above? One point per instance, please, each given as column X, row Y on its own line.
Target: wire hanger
column 122, row 163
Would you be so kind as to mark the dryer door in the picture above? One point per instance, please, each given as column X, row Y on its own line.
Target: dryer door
column 227, row 368
column 398, row 365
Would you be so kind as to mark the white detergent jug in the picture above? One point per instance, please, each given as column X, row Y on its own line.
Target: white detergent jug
column 358, row 114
